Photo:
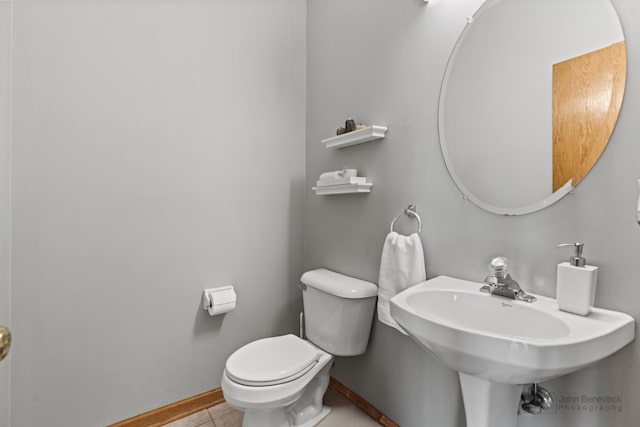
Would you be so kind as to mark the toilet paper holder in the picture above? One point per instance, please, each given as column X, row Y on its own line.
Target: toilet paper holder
column 219, row 300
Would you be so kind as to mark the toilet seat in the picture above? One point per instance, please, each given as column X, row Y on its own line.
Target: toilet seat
column 272, row 361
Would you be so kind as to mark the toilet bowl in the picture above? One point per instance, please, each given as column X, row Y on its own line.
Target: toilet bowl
column 280, row 381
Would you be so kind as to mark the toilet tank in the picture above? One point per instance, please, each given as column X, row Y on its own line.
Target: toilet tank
column 338, row 311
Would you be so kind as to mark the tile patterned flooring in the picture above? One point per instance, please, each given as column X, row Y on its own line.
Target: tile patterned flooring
column 343, row 413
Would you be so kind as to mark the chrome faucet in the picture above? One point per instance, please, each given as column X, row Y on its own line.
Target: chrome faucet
column 501, row 283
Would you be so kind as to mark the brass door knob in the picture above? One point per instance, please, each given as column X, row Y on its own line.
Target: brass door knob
column 5, row 341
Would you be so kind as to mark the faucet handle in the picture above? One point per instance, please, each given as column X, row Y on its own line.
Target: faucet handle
column 499, row 266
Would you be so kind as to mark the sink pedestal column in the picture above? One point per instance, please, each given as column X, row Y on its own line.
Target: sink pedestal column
column 489, row 404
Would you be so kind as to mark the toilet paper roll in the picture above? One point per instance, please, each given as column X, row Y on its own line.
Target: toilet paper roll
column 219, row 300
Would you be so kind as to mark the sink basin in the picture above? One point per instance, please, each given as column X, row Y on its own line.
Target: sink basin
column 505, row 340
column 491, row 340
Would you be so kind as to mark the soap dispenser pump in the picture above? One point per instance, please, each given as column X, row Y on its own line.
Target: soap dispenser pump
column 576, row 283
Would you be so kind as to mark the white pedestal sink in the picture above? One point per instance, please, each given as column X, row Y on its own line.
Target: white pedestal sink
column 498, row 344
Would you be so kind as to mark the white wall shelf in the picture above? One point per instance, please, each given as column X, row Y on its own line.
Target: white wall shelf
column 328, row 190
column 370, row 133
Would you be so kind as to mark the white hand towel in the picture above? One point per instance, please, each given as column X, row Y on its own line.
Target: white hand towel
column 401, row 266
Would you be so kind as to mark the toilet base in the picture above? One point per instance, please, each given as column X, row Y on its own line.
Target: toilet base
column 308, row 410
column 316, row 420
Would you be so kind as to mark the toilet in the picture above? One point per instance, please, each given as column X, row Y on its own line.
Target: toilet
column 280, row 381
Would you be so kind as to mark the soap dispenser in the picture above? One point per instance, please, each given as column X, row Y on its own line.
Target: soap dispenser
column 576, row 283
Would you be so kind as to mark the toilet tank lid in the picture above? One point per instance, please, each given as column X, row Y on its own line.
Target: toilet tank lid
column 338, row 284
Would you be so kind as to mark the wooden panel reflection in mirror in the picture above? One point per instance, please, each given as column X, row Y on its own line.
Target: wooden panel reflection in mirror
column 587, row 96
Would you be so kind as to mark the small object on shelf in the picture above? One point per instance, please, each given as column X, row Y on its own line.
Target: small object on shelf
column 346, row 172
column 349, row 171
column 349, row 125
column 341, row 181
column 328, row 190
column 341, row 130
column 360, row 126
column 369, row 133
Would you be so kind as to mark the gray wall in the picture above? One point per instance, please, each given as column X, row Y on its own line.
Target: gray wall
column 5, row 199
column 145, row 170
column 381, row 61
column 157, row 151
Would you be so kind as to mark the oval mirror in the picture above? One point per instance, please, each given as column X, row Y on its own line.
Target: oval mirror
column 529, row 100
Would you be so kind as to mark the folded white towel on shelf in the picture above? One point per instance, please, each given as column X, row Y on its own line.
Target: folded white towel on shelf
column 338, row 174
column 329, row 175
column 401, row 266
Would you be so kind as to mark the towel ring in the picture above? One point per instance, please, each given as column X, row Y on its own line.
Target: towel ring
column 409, row 211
